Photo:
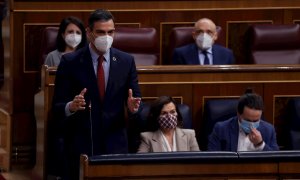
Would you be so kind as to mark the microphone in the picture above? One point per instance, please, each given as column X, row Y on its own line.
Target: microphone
column 91, row 126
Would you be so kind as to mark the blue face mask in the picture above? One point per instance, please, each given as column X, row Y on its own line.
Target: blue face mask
column 247, row 125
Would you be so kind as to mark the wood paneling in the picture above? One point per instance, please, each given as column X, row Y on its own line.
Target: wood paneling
column 2, row 16
column 27, row 18
column 5, row 140
column 158, row 5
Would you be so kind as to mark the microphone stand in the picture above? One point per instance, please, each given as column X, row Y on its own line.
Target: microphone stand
column 91, row 125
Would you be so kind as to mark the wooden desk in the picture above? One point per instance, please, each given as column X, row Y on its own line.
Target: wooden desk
column 199, row 165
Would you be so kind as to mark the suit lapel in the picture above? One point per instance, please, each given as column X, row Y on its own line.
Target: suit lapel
column 86, row 59
column 88, row 72
column 157, row 143
column 215, row 55
column 113, row 71
column 181, row 140
column 193, row 57
column 217, row 59
column 234, row 128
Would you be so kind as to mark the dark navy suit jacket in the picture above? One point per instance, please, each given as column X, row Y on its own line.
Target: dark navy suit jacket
column 188, row 54
column 224, row 136
column 101, row 130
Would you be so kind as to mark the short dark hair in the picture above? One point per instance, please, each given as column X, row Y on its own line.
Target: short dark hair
column 99, row 15
column 155, row 111
column 250, row 100
column 60, row 42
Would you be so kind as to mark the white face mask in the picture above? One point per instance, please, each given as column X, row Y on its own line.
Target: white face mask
column 103, row 43
column 204, row 41
column 73, row 40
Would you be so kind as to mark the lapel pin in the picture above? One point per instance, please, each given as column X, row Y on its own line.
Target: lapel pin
column 114, row 58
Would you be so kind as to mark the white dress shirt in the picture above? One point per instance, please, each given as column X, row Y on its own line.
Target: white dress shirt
column 202, row 56
column 244, row 143
column 166, row 145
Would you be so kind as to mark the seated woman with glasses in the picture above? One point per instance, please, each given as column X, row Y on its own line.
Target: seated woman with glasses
column 166, row 135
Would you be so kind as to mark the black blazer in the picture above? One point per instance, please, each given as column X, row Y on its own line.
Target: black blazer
column 188, row 54
column 103, row 130
column 225, row 134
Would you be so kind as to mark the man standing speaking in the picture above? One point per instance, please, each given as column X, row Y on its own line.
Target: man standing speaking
column 92, row 86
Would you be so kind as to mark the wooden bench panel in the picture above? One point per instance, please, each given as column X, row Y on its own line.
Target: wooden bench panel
column 192, row 165
column 5, row 140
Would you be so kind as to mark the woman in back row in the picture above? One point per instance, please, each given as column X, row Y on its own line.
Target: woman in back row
column 166, row 134
column 70, row 37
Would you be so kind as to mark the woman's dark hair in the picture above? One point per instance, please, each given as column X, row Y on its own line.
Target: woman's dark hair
column 60, row 42
column 99, row 15
column 250, row 100
column 155, row 111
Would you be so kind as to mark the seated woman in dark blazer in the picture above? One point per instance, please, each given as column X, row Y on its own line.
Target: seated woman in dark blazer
column 166, row 135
